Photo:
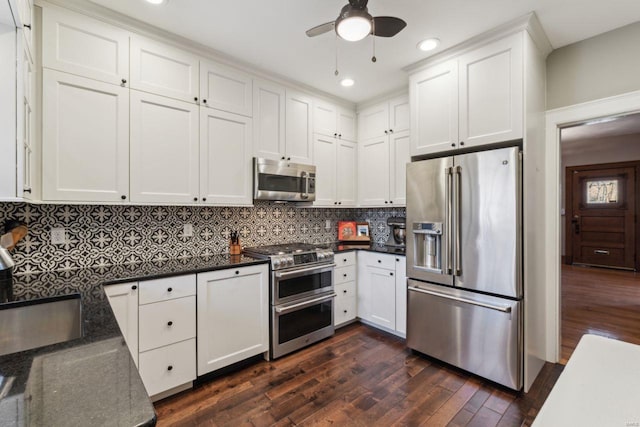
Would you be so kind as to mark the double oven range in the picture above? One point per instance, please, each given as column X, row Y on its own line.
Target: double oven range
column 301, row 295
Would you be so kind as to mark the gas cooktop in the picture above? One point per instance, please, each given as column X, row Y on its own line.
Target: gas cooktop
column 291, row 255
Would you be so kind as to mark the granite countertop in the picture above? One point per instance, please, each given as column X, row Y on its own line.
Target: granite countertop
column 338, row 247
column 91, row 380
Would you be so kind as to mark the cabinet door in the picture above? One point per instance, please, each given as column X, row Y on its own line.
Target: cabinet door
column 225, row 158
column 401, row 295
column 233, row 316
column 363, row 294
column 399, row 114
column 299, row 142
column 373, row 122
column 85, row 139
column 269, row 119
column 347, row 124
column 25, row 121
column 25, row 13
column 324, row 157
column 434, row 109
column 373, row 172
column 164, row 70
column 399, row 147
column 383, row 297
column 164, row 149
column 123, row 299
column 491, row 92
column 83, row 46
column 226, row 88
column 325, row 119
column 346, row 173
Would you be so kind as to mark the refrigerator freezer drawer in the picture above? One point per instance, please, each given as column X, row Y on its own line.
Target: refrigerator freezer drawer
column 478, row 333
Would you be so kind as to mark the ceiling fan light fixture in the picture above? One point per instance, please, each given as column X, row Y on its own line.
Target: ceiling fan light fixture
column 353, row 24
column 428, row 44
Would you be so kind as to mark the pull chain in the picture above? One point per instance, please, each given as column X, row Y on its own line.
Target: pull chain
column 373, row 38
column 336, row 72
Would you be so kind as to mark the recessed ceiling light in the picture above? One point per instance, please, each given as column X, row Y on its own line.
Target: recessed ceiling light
column 428, row 44
column 156, row 1
column 347, row 82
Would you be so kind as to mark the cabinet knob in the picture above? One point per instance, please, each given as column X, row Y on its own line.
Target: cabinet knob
column 169, row 368
column 170, row 289
column 134, row 287
column 386, row 201
column 335, row 134
column 453, row 145
column 237, row 272
column 340, row 135
column 461, row 142
column 204, row 199
column 195, row 199
column 386, row 132
column 344, row 291
column 379, row 261
column 289, row 158
column 204, row 101
column 169, row 323
column 397, row 259
column 335, row 203
column 124, row 82
column 195, row 99
column 123, row 197
column 27, row 26
column 282, row 158
column 344, row 260
column 339, row 203
column 390, row 274
column 390, row 130
column 345, row 311
column 27, row 189
column 344, row 275
column 391, row 201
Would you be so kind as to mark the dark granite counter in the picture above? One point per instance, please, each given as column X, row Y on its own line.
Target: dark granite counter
column 338, row 247
column 91, row 380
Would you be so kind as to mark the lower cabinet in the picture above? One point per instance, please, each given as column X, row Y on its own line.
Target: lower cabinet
column 233, row 316
column 123, row 299
column 168, row 367
column 345, row 286
column 382, row 291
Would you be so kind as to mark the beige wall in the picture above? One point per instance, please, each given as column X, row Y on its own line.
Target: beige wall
column 599, row 67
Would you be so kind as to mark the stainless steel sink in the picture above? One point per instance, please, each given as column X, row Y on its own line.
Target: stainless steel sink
column 31, row 324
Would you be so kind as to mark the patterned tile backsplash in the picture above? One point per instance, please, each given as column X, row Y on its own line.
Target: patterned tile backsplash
column 101, row 236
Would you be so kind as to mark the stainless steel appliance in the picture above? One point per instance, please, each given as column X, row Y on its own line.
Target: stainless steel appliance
column 302, row 294
column 397, row 231
column 464, row 262
column 6, row 275
column 282, row 180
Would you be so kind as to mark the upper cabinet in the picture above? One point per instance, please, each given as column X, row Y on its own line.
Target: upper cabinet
column 83, row 46
column 335, row 121
column 226, row 88
column 164, row 70
column 336, row 163
column 385, row 118
column 471, row 100
column 298, row 128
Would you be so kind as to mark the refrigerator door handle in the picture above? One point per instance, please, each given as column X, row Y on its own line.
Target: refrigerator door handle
column 457, row 265
column 463, row 300
column 447, row 214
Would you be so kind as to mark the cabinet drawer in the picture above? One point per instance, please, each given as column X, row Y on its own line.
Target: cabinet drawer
column 167, row 322
column 346, row 290
column 345, row 258
column 168, row 367
column 344, row 274
column 167, row 289
column 381, row 261
column 345, row 310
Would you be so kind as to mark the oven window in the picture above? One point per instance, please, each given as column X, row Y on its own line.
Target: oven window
column 290, row 184
column 302, row 322
column 303, row 284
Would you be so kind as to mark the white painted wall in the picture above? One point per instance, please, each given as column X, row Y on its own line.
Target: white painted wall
column 594, row 68
column 621, row 148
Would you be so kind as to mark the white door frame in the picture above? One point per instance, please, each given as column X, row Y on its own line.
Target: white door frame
column 556, row 119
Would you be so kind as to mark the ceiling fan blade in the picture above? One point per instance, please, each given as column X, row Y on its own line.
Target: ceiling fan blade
column 387, row 26
column 321, row 29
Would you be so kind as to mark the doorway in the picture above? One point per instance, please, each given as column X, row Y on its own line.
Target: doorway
column 600, row 289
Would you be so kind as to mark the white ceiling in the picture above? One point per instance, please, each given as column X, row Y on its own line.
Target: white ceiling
column 614, row 126
column 270, row 34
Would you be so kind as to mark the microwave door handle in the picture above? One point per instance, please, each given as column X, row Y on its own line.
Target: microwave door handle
column 305, row 190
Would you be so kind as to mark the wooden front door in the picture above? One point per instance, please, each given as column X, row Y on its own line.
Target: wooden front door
column 601, row 215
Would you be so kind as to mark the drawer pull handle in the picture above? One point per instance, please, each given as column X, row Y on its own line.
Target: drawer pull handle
column 169, row 368
column 345, row 291
column 237, row 272
column 169, row 323
column 170, row 289
column 344, row 260
column 134, row 287
column 601, row 252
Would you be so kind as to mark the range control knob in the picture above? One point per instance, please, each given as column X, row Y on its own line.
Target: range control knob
column 276, row 263
column 290, row 261
column 321, row 256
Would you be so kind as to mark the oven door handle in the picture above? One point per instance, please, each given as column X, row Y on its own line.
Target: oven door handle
column 293, row 307
column 318, row 268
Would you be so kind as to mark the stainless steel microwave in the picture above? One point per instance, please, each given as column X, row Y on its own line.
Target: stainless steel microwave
column 281, row 180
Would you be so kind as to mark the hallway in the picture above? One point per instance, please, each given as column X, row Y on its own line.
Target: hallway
column 599, row 301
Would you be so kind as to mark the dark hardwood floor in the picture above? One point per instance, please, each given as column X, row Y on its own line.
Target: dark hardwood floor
column 599, row 301
column 359, row 377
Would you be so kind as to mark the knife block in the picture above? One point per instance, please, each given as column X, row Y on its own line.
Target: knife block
column 234, row 248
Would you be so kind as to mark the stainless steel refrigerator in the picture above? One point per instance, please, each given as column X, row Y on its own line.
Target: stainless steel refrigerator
column 464, row 262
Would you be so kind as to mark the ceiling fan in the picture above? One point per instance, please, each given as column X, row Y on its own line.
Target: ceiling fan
column 355, row 23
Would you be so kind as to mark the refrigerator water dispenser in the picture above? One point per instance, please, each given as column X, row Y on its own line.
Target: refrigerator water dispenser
column 428, row 245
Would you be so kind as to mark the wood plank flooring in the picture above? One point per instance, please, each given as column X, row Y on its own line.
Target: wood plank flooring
column 599, row 301
column 359, row 377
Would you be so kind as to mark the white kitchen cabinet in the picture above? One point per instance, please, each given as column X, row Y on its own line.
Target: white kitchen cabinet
column 27, row 172
column 400, row 155
column 123, row 299
column 25, row 18
column 85, row 139
column 167, row 368
column 164, row 149
column 166, row 322
column 225, row 158
column 233, row 316
column 335, row 121
column 336, row 163
column 226, row 88
column 385, row 118
column 298, row 128
column 9, row 105
column 84, row 46
column 472, row 100
column 345, row 287
column 269, row 119
column 380, row 300
column 164, row 70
